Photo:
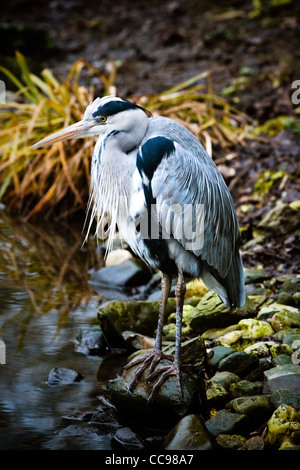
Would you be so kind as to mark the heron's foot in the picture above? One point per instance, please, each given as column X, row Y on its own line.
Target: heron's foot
column 166, row 372
column 150, row 360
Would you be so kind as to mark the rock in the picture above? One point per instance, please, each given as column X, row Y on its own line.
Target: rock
column 140, row 316
column 216, row 355
column 238, row 362
column 210, row 312
column 284, row 396
column 230, row 441
column 125, row 438
column 254, row 275
column 281, row 359
column 286, row 445
column 253, row 406
column 245, row 387
column 117, row 256
column 136, row 341
column 129, row 273
column 215, row 333
column 189, row 433
column 296, row 298
column 195, row 288
column 226, row 422
column 254, row 443
column 260, row 349
column 257, row 373
column 79, row 429
column 247, row 332
column 267, row 311
column 280, row 349
column 168, row 404
column 285, row 298
column 286, row 319
column 216, row 394
column 290, row 336
column 217, row 388
column 284, row 425
column 281, row 219
column 90, row 343
column 226, row 379
column 285, row 376
column 63, row 376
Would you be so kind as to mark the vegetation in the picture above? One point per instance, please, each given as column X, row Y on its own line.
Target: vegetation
column 54, row 182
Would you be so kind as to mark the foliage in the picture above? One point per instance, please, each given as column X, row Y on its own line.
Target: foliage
column 55, row 181
column 261, row 7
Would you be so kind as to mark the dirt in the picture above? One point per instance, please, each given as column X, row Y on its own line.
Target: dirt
column 156, row 45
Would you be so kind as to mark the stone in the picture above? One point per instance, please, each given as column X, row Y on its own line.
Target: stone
column 230, row 441
column 284, row 396
column 254, row 275
column 217, row 388
column 211, row 313
column 226, row 422
column 140, row 316
column 286, row 298
column 90, row 343
column 285, row 376
column 247, row 332
column 63, row 376
column 280, row 349
column 284, row 425
column 281, row 219
column 238, row 362
column 267, row 311
column 136, row 341
column 216, row 354
column 286, row 319
column 190, row 433
column 168, row 403
column 260, row 349
column 129, row 273
column 117, row 256
column 195, row 288
column 125, row 438
column 245, row 387
column 254, row 443
column 253, row 406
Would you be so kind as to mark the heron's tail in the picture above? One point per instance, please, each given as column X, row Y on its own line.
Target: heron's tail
column 230, row 289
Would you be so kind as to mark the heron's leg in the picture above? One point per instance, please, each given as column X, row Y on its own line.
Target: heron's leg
column 175, row 368
column 155, row 355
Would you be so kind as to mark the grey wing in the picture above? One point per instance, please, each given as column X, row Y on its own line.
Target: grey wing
column 195, row 207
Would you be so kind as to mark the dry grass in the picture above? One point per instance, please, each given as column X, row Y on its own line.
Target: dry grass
column 54, row 182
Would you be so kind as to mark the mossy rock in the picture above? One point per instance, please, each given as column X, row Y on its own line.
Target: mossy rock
column 139, row 316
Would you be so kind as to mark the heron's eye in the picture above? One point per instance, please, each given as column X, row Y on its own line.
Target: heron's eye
column 103, row 118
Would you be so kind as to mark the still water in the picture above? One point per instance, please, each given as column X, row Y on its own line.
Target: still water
column 46, row 302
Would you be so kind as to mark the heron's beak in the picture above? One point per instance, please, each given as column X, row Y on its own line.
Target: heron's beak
column 79, row 129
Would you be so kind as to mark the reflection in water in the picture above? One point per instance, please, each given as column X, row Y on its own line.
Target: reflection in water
column 45, row 303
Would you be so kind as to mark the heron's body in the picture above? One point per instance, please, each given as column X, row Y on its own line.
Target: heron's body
column 156, row 183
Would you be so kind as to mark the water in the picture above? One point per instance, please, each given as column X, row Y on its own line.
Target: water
column 45, row 303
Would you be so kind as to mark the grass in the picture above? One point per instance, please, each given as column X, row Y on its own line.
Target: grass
column 54, row 182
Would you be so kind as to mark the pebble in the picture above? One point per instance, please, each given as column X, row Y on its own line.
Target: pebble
column 226, row 422
column 63, row 376
column 284, row 376
column 190, row 433
column 238, row 362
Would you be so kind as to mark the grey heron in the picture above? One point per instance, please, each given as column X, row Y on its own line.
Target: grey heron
column 155, row 182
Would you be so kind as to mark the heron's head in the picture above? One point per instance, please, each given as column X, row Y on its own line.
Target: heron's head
column 102, row 116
